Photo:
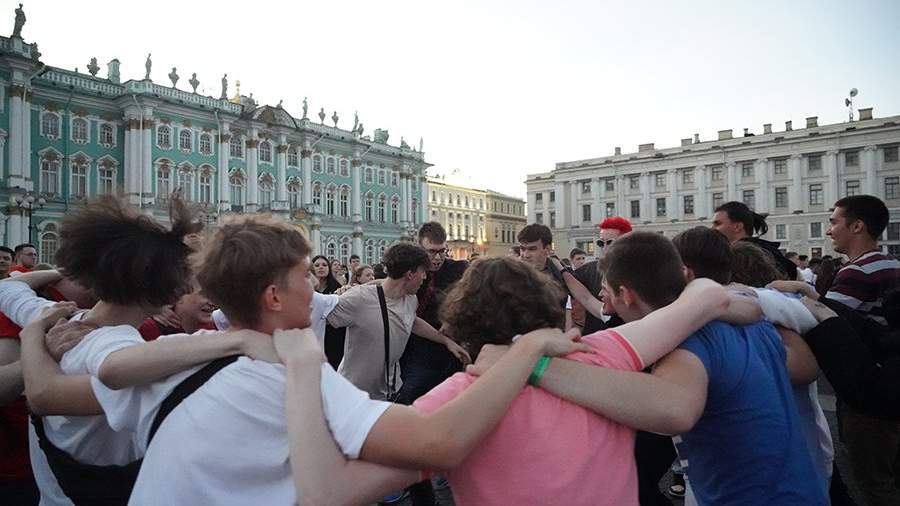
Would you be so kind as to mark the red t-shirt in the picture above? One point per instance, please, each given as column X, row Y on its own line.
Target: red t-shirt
column 19, row 268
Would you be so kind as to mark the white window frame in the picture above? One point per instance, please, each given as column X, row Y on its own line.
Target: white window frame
column 87, row 129
column 159, row 133
column 44, row 133
column 189, row 148
column 205, row 138
column 112, row 134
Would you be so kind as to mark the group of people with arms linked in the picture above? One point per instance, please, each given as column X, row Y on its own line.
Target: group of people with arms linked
column 517, row 379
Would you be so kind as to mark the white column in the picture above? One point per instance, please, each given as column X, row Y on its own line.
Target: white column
column 252, row 172
column 26, row 140
column 2, row 167
column 316, row 236
column 762, row 178
column 306, row 168
column 404, row 197
column 146, row 167
column 574, row 205
column 223, row 173
column 598, row 194
column 870, row 167
column 126, row 166
column 646, row 213
column 423, row 200
column 560, row 205
column 281, row 170
column 832, row 182
column 14, row 234
column 732, row 181
column 356, row 203
column 701, row 210
column 16, row 134
column 796, row 194
column 673, row 209
column 620, row 198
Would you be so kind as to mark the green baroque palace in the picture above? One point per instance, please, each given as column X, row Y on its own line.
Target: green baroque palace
column 67, row 136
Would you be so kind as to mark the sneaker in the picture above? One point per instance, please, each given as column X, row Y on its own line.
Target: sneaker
column 677, row 488
column 394, row 498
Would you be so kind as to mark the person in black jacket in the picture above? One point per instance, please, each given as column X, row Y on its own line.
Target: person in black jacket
column 739, row 223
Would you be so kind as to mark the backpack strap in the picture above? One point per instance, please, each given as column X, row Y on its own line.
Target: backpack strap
column 390, row 377
column 185, row 389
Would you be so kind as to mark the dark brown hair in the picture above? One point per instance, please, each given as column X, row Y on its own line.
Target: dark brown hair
column 535, row 232
column 433, row 231
column 126, row 257
column 498, row 298
column 752, row 265
column 403, row 257
column 868, row 209
column 705, row 251
column 648, row 264
column 246, row 255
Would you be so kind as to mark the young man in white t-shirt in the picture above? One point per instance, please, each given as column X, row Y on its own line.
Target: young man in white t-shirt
column 227, row 443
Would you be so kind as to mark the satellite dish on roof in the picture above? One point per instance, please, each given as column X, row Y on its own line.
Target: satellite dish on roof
column 853, row 92
column 849, row 102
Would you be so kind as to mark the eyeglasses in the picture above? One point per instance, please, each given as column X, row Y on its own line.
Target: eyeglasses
column 604, row 243
column 437, row 252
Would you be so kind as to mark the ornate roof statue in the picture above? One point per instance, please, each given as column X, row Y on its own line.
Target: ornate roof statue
column 334, row 117
column 420, row 144
column 93, row 68
column 224, row 95
column 147, row 65
column 194, row 82
column 173, row 76
column 360, row 130
column 403, row 144
column 355, row 121
column 20, row 22
column 305, row 106
column 381, row 136
column 322, row 115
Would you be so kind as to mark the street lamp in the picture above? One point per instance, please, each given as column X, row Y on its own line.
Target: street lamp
column 25, row 203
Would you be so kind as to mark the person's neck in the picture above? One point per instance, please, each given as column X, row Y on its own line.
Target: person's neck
column 393, row 288
column 107, row 314
column 861, row 248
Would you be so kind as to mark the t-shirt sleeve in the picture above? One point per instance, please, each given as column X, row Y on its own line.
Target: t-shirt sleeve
column 20, row 303
column 349, row 411
column 785, row 311
column 609, row 349
column 699, row 346
column 850, row 288
column 443, row 393
column 326, row 302
column 344, row 312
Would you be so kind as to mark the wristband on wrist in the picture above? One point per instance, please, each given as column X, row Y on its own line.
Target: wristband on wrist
column 539, row 368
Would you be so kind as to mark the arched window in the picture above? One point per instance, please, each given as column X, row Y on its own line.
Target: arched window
column 368, row 208
column 344, row 207
column 382, row 246
column 370, row 253
column 292, row 158
column 106, row 176
column 186, row 181
column 345, row 168
column 382, row 205
column 317, row 194
column 395, row 179
column 206, row 184
column 266, row 187
column 369, row 177
column 329, row 166
column 49, row 243
column 163, row 180
column 345, row 250
column 236, row 147
column 265, row 152
column 80, row 130
column 50, row 125
column 50, row 175
column 414, row 214
column 330, row 200
column 78, row 178
column 205, row 144
column 107, row 136
column 293, row 191
column 331, row 249
column 237, row 183
column 317, row 164
column 395, row 210
column 164, row 137
column 185, row 140
column 381, row 177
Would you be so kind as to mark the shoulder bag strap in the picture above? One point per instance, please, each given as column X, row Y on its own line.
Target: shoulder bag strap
column 389, row 376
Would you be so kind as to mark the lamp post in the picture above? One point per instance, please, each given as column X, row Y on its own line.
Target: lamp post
column 25, row 203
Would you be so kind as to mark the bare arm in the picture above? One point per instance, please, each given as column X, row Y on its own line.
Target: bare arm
column 669, row 401
column 801, row 363
column 36, row 279
column 11, row 383
column 316, row 460
column 48, row 389
column 743, row 308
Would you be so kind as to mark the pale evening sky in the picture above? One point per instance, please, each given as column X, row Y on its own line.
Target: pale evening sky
column 499, row 89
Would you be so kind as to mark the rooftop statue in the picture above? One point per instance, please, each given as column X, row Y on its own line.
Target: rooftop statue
column 305, row 107
column 194, row 82
column 403, row 143
column 322, row 115
column 334, row 117
column 92, row 67
column 224, row 88
column 355, row 121
column 381, row 136
column 173, row 76
column 147, row 65
column 20, row 22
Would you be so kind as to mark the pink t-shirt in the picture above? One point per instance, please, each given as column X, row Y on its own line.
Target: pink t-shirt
column 546, row 450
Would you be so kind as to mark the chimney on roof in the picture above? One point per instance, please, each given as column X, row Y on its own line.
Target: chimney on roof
column 687, row 142
column 696, row 138
column 812, row 122
column 618, row 151
column 767, row 128
column 746, row 132
column 788, row 126
column 645, row 147
column 865, row 114
column 724, row 134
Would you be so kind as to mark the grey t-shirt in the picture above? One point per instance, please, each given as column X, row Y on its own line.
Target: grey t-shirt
column 363, row 363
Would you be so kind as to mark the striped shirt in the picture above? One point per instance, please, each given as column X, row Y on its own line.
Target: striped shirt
column 862, row 283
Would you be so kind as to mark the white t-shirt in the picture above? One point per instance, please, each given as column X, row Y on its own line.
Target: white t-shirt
column 319, row 309
column 227, row 443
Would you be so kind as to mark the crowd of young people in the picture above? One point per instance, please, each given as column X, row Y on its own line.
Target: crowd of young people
column 155, row 368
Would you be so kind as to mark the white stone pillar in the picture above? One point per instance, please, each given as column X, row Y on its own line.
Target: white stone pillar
column 832, row 188
column 423, row 201
column 701, row 205
column 223, row 172
column 26, row 139
column 795, row 169
column 598, row 194
column 316, row 238
column 356, row 202
column 673, row 209
column 870, row 167
column 620, row 198
column 252, row 172
column 146, row 167
column 306, row 169
column 731, row 168
column 762, row 178
column 16, row 138
column 560, row 205
column 404, row 196
column 281, row 170
column 646, row 205
column 2, row 168
column 130, row 191
column 14, row 227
